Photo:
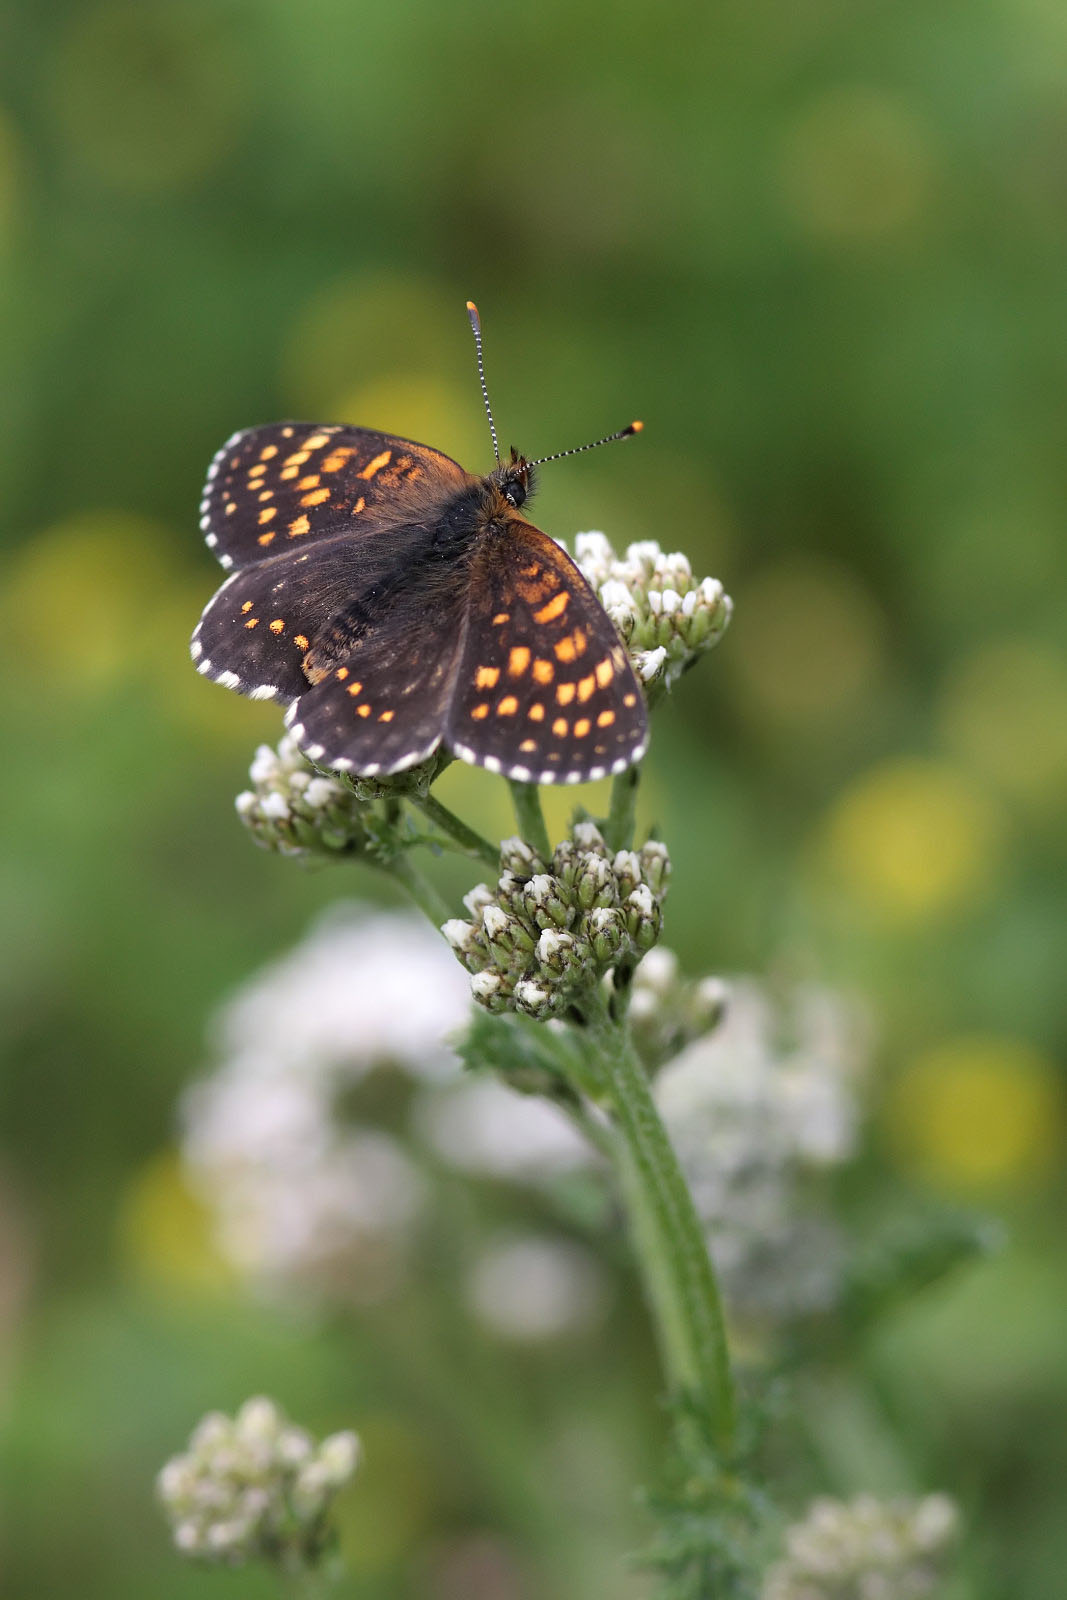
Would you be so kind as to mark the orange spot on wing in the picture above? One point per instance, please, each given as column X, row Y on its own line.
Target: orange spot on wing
column 289, row 472
column 559, row 727
column 518, row 661
column 353, row 688
column 297, row 458
column 565, row 649
column 387, row 716
column 629, row 699
column 363, row 711
column 315, row 498
column 268, row 494
column 246, row 608
column 265, row 538
column 605, row 719
column 527, row 746
column 231, row 507
column 486, row 677
column 543, row 671
column 604, row 672
column 268, row 453
column 376, row 465
column 310, row 482
column 479, row 713
column 267, row 513
column 301, row 525
column 586, row 687
column 342, row 673
column 581, row 727
column 277, row 626
column 336, row 459
column 252, row 622
column 501, row 616
column 555, row 607
column 508, row 706
column 564, row 694
column 300, row 640
column 536, row 712
column 316, row 441
column 358, row 507
column 529, row 572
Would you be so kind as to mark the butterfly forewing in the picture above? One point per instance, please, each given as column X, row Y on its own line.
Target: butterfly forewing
column 545, row 691
column 290, row 484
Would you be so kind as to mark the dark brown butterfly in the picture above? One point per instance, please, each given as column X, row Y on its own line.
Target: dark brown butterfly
column 397, row 601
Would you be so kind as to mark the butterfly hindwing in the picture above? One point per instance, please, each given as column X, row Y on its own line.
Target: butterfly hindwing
column 545, row 692
column 382, row 701
column 273, row 488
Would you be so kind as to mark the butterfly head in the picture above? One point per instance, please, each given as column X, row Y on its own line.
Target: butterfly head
column 514, row 479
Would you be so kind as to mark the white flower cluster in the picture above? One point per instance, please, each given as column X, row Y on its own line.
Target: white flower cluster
column 550, row 930
column 298, row 1195
column 665, row 617
column 865, row 1549
column 296, row 810
column 755, row 1108
column 253, row 1486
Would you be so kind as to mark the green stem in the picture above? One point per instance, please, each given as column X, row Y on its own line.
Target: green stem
column 470, row 842
column 619, row 828
column 530, row 817
column 420, row 889
column 668, row 1239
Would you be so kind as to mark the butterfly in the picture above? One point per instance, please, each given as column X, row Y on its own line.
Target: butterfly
column 396, row 602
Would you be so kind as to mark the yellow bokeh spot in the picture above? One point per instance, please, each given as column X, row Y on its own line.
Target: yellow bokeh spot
column 1004, row 710
column 363, row 329
column 856, row 165
column 912, row 840
column 164, row 1232
column 79, row 605
column 977, row 1113
column 421, row 407
column 812, row 645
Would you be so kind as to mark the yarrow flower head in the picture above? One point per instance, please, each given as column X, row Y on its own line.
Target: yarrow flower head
column 865, row 1549
column 665, row 616
column 551, row 930
column 254, row 1486
column 296, row 810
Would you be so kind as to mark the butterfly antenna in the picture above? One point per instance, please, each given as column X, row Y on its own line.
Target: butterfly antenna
column 623, row 433
column 476, row 329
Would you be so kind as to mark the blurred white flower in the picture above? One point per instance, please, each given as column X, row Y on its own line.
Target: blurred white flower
column 255, row 1486
column 753, row 1107
column 865, row 1549
column 530, row 1287
column 363, row 989
column 482, row 1127
column 298, row 1196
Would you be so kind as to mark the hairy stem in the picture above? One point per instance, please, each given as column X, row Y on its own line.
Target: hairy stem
column 467, row 839
column 619, row 828
column 668, row 1239
column 530, row 817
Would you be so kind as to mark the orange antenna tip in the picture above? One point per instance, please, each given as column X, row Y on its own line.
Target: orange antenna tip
column 636, row 427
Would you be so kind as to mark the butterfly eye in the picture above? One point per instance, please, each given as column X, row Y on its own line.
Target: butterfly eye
column 514, row 494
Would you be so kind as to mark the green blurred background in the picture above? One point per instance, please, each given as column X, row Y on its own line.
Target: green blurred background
column 820, row 246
